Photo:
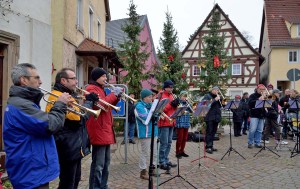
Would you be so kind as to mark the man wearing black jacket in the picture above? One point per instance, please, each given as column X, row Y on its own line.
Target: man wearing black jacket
column 72, row 140
column 212, row 118
column 256, row 117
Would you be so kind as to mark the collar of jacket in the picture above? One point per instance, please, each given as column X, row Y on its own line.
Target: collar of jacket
column 25, row 92
column 60, row 87
column 97, row 84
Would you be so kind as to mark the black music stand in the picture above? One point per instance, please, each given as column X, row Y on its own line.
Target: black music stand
column 201, row 111
column 156, row 109
column 295, row 104
column 264, row 104
column 179, row 111
column 231, row 105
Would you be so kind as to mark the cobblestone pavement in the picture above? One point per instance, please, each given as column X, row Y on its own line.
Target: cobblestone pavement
column 265, row 170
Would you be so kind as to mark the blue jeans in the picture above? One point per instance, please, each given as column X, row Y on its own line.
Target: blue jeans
column 255, row 130
column 165, row 135
column 99, row 167
column 131, row 127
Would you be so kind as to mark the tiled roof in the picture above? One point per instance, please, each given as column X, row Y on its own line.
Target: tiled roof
column 114, row 33
column 276, row 13
column 89, row 46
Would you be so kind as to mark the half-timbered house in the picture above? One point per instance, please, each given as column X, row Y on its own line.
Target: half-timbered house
column 244, row 66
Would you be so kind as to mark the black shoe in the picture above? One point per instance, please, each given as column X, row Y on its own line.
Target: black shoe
column 179, row 156
column 258, row 146
column 164, row 167
column 131, row 141
column 171, row 164
column 236, row 135
column 240, row 135
column 184, row 154
column 123, row 142
column 209, row 150
column 244, row 133
column 214, row 149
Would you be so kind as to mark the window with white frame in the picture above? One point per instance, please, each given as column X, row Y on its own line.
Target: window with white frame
column 293, row 56
column 235, row 92
column 223, row 73
column 79, row 14
column 236, row 69
column 91, row 14
column 196, row 70
column 99, row 30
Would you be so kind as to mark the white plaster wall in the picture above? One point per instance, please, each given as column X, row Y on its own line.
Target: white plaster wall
column 31, row 19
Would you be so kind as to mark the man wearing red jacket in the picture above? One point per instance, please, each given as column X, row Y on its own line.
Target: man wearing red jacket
column 100, row 130
column 166, row 126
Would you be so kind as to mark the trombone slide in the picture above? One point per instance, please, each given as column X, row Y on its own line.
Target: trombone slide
column 102, row 101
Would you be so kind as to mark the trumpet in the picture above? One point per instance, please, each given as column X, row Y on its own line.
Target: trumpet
column 124, row 97
column 84, row 110
column 116, row 108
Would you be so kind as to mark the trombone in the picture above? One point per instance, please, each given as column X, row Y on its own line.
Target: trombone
column 164, row 115
column 100, row 100
column 84, row 110
column 124, row 97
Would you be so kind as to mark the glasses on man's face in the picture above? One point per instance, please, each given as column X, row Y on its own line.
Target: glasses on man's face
column 72, row 78
column 35, row 77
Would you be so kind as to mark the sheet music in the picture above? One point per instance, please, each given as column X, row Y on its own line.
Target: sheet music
column 152, row 109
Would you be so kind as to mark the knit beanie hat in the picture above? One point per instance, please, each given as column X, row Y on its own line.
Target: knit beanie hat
column 97, row 72
column 183, row 93
column 145, row 93
column 168, row 83
column 215, row 88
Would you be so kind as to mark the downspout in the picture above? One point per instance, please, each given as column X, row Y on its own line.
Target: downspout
column 269, row 65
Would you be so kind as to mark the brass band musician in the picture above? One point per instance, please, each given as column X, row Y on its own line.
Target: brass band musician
column 212, row 118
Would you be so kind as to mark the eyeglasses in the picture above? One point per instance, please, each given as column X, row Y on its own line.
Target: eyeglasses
column 72, row 78
column 35, row 77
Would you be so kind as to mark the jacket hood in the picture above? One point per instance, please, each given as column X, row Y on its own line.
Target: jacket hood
column 25, row 92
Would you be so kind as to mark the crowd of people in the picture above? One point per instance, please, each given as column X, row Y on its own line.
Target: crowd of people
column 42, row 145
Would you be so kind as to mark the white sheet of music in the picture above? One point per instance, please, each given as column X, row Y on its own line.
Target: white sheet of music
column 152, row 109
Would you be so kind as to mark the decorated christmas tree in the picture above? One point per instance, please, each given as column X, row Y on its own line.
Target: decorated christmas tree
column 214, row 63
column 133, row 54
column 171, row 65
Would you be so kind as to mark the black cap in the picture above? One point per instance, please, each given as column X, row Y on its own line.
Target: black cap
column 97, row 72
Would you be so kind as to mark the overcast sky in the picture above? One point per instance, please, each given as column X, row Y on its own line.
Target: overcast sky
column 188, row 15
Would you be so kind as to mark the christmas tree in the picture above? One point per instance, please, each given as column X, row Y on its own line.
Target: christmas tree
column 214, row 63
column 133, row 54
column 171, row 65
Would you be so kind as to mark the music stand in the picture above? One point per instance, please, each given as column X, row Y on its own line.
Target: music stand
column 156, row 109
column 231, row 105
column 179, row 111
column 264, row 104
column 295, row 104
column 201, row 111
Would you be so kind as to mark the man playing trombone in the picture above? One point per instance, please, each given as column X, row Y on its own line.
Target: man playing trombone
column 72, row 140
column 212, row 118
column 101, row 129
column 31, row 156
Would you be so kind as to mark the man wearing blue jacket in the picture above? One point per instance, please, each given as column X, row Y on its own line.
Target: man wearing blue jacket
column 31, row 156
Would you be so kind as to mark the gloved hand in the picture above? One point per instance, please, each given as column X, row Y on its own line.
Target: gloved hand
column 93, row 97
column 175, row 102
column 117, row 91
